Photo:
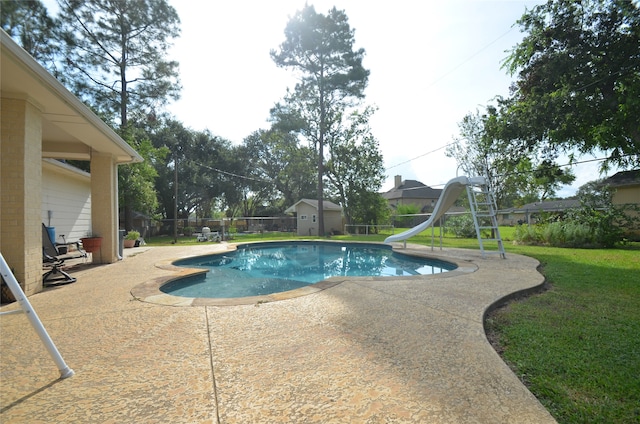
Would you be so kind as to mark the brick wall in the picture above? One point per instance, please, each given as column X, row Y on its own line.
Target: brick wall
column 21, row 178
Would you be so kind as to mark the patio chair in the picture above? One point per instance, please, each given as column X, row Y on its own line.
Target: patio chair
column 54, row 258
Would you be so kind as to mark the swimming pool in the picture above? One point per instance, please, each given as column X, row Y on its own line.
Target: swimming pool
column 267, row 268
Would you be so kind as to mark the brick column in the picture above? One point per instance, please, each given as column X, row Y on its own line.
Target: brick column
column 104, row 206
column 21, row 191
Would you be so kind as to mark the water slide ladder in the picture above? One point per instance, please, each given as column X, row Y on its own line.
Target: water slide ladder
column 483, row 210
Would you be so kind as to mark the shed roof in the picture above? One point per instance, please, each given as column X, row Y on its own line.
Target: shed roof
column 326, row 205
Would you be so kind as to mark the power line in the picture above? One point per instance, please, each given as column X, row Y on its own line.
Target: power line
column 434, row 82
column 231, row 174
column 464, row 62
column 530, row 171
column 418, row 157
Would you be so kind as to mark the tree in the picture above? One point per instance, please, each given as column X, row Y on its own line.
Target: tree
column 355, row 170
column 542, row 180
column 332, row 75
column 114, row 60
column 115, row 54
column 479, row 154
column 29, row 24
column 516, row 175
column 578, row 85
column 202, row 163
column 135, row 182
column 277, row 158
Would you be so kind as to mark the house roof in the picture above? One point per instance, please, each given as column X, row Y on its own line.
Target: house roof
column 547, row 206
column 412, row 189
column 624, row 178
column 326, row 205
column 70, row 130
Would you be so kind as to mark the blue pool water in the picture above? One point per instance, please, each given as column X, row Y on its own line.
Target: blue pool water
column 266, row 268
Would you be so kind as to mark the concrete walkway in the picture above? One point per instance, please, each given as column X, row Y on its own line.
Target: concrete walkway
column 406, row 350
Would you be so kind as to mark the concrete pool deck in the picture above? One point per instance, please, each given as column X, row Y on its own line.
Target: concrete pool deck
column 407, row 350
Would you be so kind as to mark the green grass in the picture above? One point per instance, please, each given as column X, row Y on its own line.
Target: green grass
column 577, row 344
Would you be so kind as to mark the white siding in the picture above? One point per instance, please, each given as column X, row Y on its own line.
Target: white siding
column 305, row 225
column 67, row 194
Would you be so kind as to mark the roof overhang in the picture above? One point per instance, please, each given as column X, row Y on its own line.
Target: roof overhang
column 70, row 130
column 326, row 206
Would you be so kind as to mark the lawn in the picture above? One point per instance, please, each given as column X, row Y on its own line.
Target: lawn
column 575, row 345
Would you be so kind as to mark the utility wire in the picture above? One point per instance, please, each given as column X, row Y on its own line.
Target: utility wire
column 507, row 174
column 231, row 174
column 418, row 157
column 434, row 82
column 464, row 62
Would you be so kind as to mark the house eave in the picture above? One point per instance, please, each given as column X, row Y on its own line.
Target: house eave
column 70, row 130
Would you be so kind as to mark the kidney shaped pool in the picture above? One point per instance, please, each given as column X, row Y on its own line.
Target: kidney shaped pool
column 267, row 268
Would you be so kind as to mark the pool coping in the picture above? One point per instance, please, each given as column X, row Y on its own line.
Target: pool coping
column 149, row 291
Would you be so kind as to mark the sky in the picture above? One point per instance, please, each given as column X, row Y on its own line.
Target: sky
column 430, row 62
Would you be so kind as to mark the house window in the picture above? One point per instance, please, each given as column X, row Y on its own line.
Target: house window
column 303, row 217
column 313, row 218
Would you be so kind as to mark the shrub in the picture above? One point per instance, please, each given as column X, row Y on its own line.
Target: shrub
column 596, row 223
column 462, row 226
column 132, row 235
column 528, row 234
column 553, row 234
column 405, row 221
column 577, row 235
column 567, row 234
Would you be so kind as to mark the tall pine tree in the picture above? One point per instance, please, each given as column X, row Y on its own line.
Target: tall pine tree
column 115, row 54
column 321, row 48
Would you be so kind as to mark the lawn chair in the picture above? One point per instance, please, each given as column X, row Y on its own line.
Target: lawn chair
column 54, row 258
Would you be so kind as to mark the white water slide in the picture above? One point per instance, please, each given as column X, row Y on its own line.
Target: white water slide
column 449, row 195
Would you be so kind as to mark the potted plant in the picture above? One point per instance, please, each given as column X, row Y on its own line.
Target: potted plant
column 91, row 243
column 131, row 238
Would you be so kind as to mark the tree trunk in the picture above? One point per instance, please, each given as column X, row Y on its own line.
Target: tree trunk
column 320, row 188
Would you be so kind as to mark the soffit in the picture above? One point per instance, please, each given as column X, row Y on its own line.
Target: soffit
column 70, row 130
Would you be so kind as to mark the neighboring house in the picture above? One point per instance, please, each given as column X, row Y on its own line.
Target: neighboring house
column 41, row 122
column 626, row 185
column 529, row 213
column 412, row 192
column 306, row 211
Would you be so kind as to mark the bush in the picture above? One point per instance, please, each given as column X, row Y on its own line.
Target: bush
column 405, row 221
column 596, row 223
column 132, row 235
column 462, row 226
column 528, row 234
column 567, row 234
column 577, row 235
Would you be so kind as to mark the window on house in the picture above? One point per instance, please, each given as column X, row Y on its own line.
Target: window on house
column 303, row 217
column 313, row 218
